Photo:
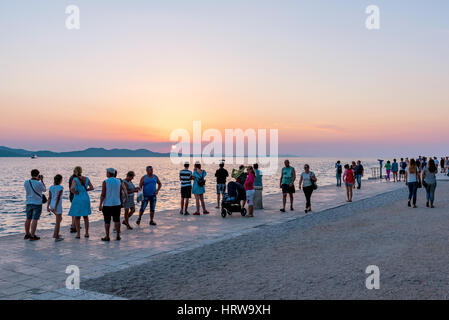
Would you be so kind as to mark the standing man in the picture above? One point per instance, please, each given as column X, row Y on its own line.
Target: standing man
column 34, row 199
column 221, row 174
column 286, row 183
column 111, row 202
column 359, row 172
column 403, row 166
column 339, row 172
column 258, row 188
column 148, row 184
column 185, row 176
column 395, row 170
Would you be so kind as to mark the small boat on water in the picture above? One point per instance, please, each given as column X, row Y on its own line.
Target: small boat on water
column 34, row 156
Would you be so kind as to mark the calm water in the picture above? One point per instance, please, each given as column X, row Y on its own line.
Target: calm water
column 14, row 171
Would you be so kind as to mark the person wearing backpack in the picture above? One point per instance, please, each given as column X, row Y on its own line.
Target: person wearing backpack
column 339, row 172
column 199, row 189
column 349, row 180
column 34, row 188
column 403, row 166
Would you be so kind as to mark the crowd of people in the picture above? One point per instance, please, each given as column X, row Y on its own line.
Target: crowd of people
column 118, row 194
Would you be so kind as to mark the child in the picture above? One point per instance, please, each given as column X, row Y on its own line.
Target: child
column 54, row 204
column 349, row 180
column 388, row 168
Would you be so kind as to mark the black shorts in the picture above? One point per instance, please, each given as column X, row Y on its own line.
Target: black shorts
column 286, row 188
column 113, row 212
column 186, row 192
column 401, row 171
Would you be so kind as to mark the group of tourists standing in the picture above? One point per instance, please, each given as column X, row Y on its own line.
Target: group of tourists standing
column 351, row 175
column 117, row 193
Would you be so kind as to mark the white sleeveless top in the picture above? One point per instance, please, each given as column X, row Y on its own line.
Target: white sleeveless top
column 112, row 197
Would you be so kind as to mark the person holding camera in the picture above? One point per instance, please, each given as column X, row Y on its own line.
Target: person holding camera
column 34, row 188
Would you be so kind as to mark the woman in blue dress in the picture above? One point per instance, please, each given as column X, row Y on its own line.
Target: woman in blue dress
column 199, row 188
column 81, row 201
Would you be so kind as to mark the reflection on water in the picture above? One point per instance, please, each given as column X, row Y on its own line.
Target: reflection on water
column 14, row 171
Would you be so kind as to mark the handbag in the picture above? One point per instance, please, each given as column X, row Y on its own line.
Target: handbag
column 314, row 185
column 43, row 196
column 201, row 181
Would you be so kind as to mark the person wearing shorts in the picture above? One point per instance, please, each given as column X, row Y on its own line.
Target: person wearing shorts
column 34, row 189
column 403, row 166
column 349, row 180
column 249, row 188
column 111, row 202
column 287, row 185
column 185, row 177
column 221, row 174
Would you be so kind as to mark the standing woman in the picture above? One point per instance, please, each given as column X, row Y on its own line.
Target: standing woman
column 249, row 188
column 307, row 181
column 198, row 188
column 388, row 169
column 349, row 180
column 430, row 183
column 81, row 201
column 412, row 181
column 129, row 205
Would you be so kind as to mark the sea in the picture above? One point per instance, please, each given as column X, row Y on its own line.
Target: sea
column 15, row 171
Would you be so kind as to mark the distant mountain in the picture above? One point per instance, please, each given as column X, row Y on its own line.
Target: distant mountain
column 91, row 152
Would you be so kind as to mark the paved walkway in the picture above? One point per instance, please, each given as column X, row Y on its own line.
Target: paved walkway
column 36, row 270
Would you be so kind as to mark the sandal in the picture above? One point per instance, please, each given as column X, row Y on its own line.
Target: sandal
column 86, row 236
column 138, row 221
column 282, row 210
column 105, row 239
column 206, row 212
column 196, row 213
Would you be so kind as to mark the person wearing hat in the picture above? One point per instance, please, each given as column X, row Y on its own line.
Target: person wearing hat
column 111, row 202
column 186, row 177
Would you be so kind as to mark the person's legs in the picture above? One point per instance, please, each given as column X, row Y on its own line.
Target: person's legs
column 27, row 226
column 359, row 181
column 153, row 200
column 432, row 193
column 186, row 205
column 197, row 202
column 415, row 189
column 125, row 217
column 203, row 204
column 77, row 226
column 218, row 195
column 338, row 180
column 86, row 226
column 182, row 205
column 33, row 227
column 284, row 200
column 107, row 222
column 410, row 191
column 58, row 219
column 291, row 200
column 143, row 206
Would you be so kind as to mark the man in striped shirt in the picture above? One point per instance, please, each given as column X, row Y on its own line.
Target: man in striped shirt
column 186, row 177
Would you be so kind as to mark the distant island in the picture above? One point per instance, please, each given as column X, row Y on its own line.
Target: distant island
column 91, row 152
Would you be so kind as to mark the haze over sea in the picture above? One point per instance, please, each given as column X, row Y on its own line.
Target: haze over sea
column 14, row 171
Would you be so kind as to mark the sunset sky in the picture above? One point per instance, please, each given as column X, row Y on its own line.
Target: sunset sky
column 138, row 69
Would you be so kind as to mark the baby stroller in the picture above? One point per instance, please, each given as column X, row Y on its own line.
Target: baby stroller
column 231, row 200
